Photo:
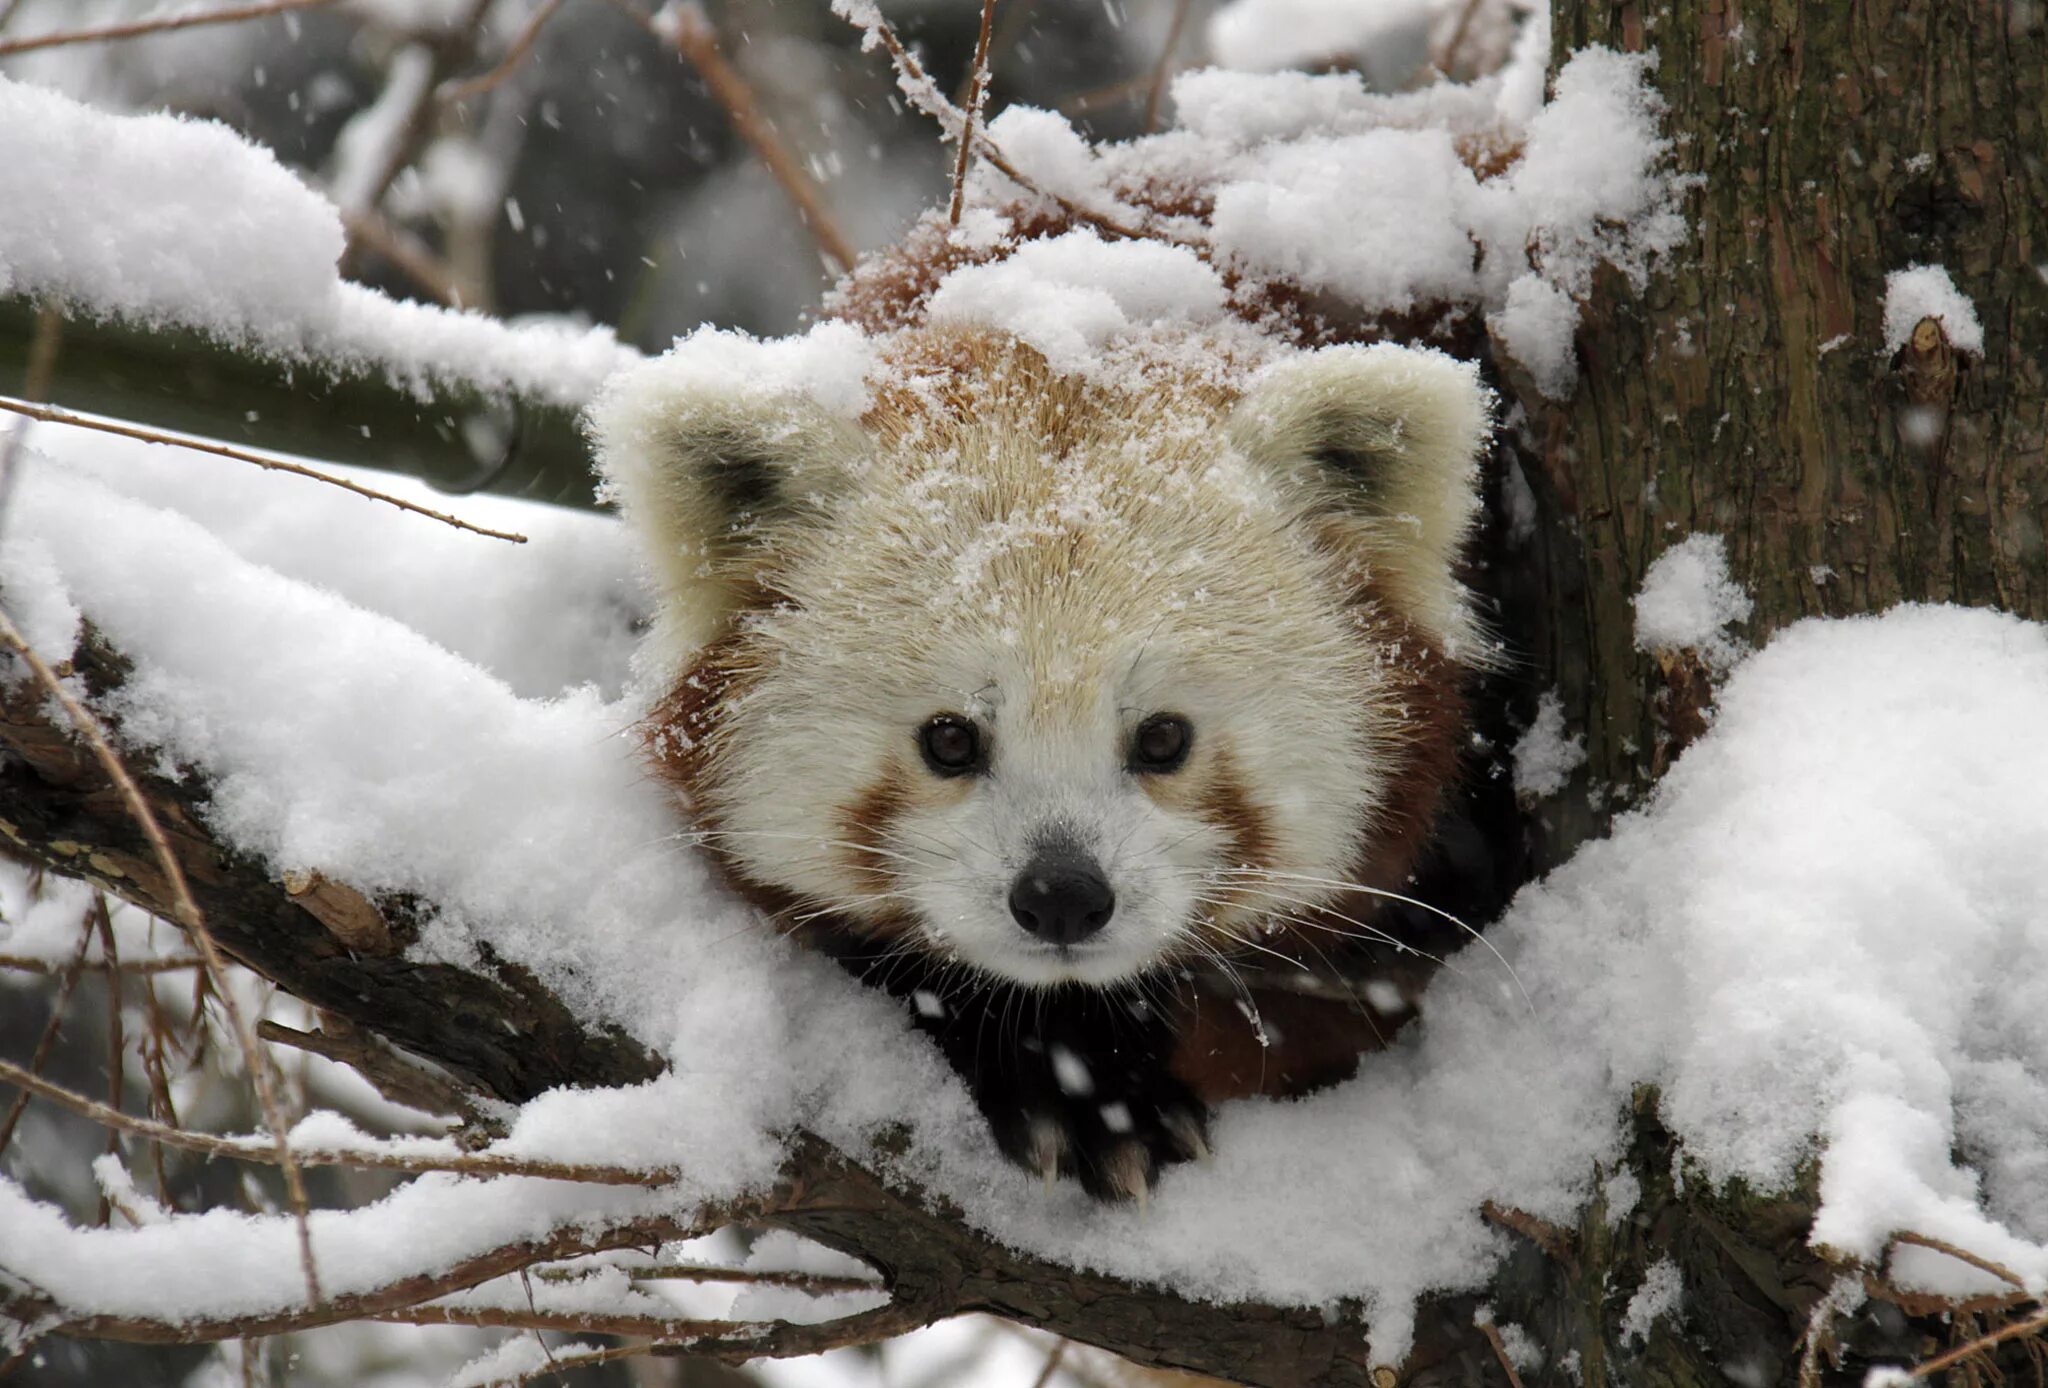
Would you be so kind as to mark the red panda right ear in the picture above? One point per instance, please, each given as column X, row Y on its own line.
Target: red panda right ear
column 1384, row 441
column 707, row 470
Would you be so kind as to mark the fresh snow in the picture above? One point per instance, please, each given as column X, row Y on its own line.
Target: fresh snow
column 1926, row 291
column 1544, row 758
column 1824, row 933
column 1688, row 599
column 1318, row 182
column 1314, row 179
column 1071, row 296
column 1661, row 1295
column 184, row 222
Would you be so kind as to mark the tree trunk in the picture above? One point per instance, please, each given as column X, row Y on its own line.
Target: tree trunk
column 1746, row 390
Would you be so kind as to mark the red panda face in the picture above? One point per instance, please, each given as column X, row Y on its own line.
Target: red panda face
column 1059, row 682
column 1008, row 792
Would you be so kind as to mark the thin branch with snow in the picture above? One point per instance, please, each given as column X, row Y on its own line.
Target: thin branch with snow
column 924, row 94
column 232, row 14
column 372, row 1156
column 50, row 414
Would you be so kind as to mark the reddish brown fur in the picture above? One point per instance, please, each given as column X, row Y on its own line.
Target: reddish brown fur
column 866, row 825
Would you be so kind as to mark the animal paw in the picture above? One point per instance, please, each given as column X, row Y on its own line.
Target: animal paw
column 1112, row 1121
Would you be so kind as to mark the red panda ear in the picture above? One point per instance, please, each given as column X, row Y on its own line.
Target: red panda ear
column 707, row 472
column 1384, row 441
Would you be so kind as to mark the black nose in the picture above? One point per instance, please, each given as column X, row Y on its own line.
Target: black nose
column 1062, row 899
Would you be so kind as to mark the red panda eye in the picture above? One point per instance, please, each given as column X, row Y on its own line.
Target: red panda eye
column 1161, row 743
column 951, row 744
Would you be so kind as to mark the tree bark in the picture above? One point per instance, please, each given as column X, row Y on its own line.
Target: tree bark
column 1746, row 390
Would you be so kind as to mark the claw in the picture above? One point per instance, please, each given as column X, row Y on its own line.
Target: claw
column 1185, row 1129
column 1048, row 1147
column 1127, row 1171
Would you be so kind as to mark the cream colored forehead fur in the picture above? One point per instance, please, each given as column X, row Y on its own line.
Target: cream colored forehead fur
column 1010, row 517
column 975, row 451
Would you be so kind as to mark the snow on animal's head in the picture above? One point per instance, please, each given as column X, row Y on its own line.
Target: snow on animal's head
column 1060, row 678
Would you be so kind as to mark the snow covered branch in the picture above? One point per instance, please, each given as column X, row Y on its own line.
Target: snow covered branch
column 507, row 1035
column 250, row 315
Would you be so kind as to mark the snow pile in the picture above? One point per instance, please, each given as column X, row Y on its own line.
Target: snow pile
column 559, row 612
column 185, row 223
column 1688, row 598
column 1073, row 295
column 1926, row 291
column 1322, row 185
column 1830, row 922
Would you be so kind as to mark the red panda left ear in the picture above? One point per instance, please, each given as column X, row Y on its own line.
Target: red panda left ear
column 1384, row 442
column 709, row 469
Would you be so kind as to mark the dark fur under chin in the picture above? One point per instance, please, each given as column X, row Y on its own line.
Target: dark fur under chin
column 1109, row 1085
column 1075, row 1081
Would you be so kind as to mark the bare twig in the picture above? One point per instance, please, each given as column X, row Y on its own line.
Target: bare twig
column 157, row 1039
column 117, row 1045
column 977, row 94
column 570, row 1242
column 1052, row 1364
column 161, row 24
column 41, row 1054
column 1500, row 1352
column 42, row 369
column 391, row 1074
column 558, row 1360
column 522, row 45
column 1163, row 69
column 8, row 8
column 25, row 964
column 916, row 84
column 52, row 415
column 368, row 228
column 708, row 1338
column 258, row 1150
column 416, row 121
column 526, row 1284
column 697, row 42
column 1555, row 1240
column 814, row 1283
column 2032, row 1325
column 1962, row 1255
column 1458, row 36
column 189, row 916
column 1939, row 1304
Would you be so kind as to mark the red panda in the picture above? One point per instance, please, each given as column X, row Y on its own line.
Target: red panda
column 1073, row 704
